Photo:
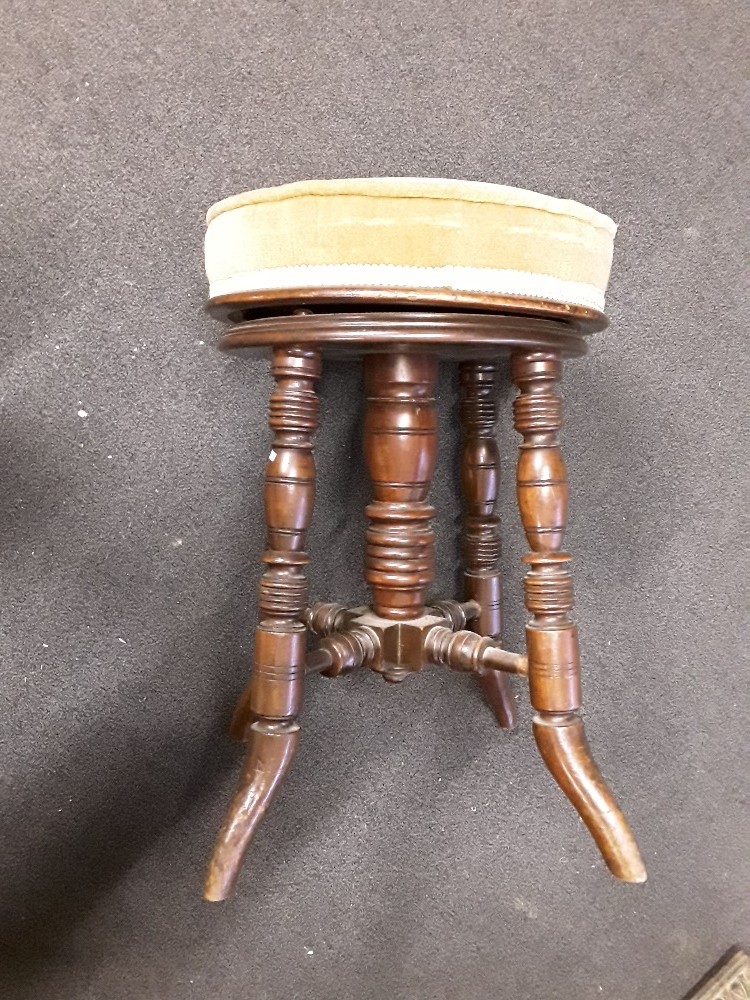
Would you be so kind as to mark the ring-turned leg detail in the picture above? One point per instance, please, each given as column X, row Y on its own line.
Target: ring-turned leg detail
column 400, row 449
column 480, row 470
column 551, row 638
column 266, row 715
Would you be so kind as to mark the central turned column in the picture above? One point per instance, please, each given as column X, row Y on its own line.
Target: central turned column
column 400, row 449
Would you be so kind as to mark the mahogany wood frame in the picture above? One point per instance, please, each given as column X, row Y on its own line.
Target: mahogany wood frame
column 400, row 341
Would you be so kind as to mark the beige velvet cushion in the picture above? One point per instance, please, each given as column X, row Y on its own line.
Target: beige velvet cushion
column 409, row 232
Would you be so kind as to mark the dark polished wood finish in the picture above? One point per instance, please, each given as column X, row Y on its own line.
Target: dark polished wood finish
column 458, row 335
column 551, row 637
column 273, row 697
column 468, row 651
column 242, row 305
column 400, row 449
column 480, row 475
column 271, row 748
column 400, row 336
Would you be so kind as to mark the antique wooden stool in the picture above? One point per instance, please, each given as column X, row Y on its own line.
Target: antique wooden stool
column 403, row 271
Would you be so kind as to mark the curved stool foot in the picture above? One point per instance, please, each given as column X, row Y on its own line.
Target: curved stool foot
column 499, row 695
column 564, row 749
column 271, row 749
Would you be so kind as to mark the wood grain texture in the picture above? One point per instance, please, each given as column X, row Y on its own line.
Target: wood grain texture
column 243, row 305
column 267, row 711
column 551, row 637
column 271, row 748
column 459, row 335
column 400, row 449
column 480, row 478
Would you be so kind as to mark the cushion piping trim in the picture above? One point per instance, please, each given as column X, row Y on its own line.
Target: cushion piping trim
column 487, row 280
column 512, row 196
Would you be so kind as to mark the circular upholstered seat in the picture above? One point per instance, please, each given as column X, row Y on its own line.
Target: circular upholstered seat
column 424, row 235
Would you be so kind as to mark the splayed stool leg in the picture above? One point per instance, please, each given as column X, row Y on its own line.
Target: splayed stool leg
column 266, row 716
column 551, row 637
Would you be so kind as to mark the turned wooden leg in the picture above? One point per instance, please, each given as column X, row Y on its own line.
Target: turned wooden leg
column 400, row 449
column 480, row 470
column 551, row 638
column 267, row 714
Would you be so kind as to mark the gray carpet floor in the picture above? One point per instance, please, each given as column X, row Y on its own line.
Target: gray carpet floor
column 416, row 853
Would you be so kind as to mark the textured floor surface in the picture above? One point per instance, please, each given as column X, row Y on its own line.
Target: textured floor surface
column 416, row 851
